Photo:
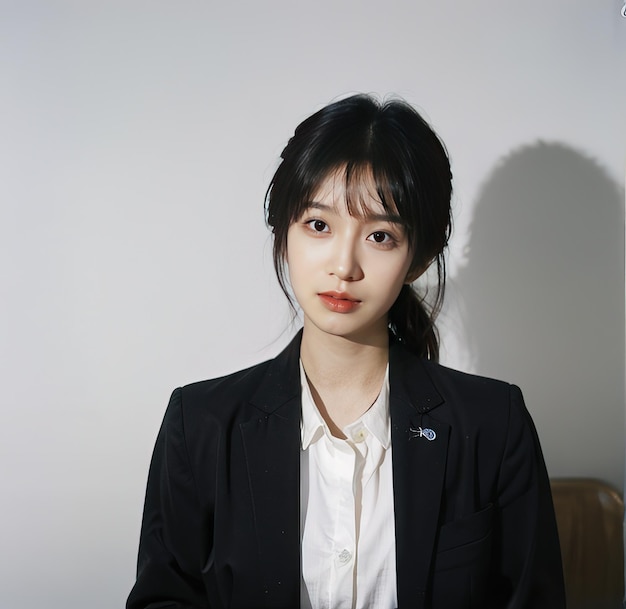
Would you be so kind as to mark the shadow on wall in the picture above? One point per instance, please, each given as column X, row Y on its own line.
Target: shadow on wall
column 542, row 300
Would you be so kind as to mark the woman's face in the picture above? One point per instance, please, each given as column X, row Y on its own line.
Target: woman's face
column 347, row 270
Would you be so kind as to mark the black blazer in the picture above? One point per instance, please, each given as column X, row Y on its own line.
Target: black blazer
column 474, row 520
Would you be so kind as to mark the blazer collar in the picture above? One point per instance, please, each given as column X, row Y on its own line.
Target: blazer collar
column 409, row 380
column 281, row 383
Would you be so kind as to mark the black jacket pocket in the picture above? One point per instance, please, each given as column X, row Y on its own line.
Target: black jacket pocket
column 465, row 541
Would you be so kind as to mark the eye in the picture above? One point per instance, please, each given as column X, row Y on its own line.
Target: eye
column 318, row 226
column 381, row 237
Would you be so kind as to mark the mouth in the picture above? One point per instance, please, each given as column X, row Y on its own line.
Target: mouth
column 339, row 302
column 339, row 296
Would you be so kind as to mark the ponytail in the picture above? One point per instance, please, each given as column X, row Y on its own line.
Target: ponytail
column 412, row 319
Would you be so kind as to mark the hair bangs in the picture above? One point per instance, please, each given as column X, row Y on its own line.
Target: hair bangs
column 362, row 185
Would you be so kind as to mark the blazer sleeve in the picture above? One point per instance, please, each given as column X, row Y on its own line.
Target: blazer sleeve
column 168, row 566
column 528, row 543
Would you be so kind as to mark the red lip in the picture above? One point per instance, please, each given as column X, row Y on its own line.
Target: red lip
column 339, row 302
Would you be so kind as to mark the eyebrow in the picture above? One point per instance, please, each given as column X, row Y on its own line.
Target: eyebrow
column 384, row 217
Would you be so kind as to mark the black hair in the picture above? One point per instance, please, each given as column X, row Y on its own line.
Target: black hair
column 392, row 143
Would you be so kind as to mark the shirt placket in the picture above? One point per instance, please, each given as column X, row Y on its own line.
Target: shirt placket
column 343, row 552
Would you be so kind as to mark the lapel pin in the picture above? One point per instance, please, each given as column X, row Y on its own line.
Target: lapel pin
column 425, row 432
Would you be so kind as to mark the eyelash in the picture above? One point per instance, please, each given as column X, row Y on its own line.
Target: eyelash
column 312, row 222
column 389, row 242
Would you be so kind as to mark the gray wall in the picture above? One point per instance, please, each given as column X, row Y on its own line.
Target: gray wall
column 137, row 141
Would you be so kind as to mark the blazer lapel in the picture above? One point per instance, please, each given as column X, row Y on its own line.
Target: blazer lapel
column 420, row 446
column 272, row 451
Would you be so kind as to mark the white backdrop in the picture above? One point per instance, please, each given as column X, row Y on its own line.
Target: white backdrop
column 137, row 140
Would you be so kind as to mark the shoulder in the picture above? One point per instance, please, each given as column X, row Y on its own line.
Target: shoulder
column 200, row 413
column 419, row 375
column 451, row 381
column 451, row 395
column 264, row 387
column 218, row 398
column 489, row 407
column 233, row 385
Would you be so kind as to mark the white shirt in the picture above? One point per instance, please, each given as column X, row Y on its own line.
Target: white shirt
column 347, row 516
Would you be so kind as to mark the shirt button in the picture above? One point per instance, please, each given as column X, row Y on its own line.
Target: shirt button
column 360, row 435
column 344, row 556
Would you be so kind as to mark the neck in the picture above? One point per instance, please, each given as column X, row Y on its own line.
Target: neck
column 339, row 358
column 345, row 376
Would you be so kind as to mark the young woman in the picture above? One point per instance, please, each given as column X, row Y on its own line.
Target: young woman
column 352, row 471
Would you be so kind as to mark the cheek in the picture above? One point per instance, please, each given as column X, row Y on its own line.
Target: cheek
column 302, row 252
column 394, row 270
column 293, row 252
column 296, row 258
column 396, row 278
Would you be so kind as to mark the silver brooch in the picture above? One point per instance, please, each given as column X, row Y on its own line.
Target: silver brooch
column 424, row 432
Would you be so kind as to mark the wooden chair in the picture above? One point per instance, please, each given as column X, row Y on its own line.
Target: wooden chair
column 590, row 517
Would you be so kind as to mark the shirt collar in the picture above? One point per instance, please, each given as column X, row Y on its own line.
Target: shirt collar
column 375, row 419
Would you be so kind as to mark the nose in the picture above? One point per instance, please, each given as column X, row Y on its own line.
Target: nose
column 344, row 262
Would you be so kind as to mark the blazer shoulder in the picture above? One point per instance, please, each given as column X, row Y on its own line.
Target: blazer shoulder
column 222, row 395
column 238, row 382
column 444, row 379
column 280, row 371
column 264, row 387
column 481, row 403
column 471, row 384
